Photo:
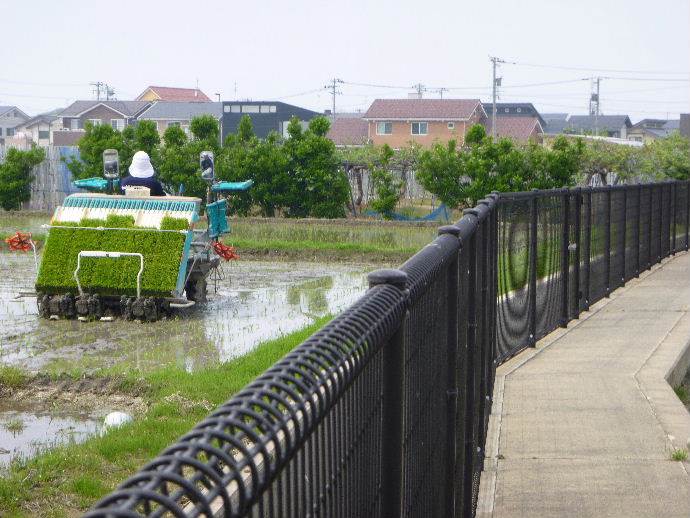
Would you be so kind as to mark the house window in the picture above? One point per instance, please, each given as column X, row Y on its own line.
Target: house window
column 118, row 124
column 268, row 109
column 43, row 134
column 10, row 132
column 173, row 123
column 519, row 110
column 451, row 125
column 235, row 108
column 74, row 124
column 95, row 122
column 250, row 108
column 384, row 128
column 419, row 128
column 507, row 110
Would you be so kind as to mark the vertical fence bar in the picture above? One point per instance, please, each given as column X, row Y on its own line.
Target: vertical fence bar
column 532, row 291
column 674, row 192
column 649, row 226
column 687, row 215
column 607, row 241
column 470, row 414
column 625, row 231
column 451, row 374
column 660, row 188
column 392, row 410
column 638, row 230
column 565, row 252
column 578, row 244
column 588, row 241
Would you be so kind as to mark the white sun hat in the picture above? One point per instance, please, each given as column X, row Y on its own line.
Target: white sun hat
column 141, row 165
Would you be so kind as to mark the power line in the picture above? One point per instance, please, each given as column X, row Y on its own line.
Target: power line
column 584, row 69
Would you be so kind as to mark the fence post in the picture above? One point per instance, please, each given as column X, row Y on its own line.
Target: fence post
column 578, row 244
column 393, row 392
column 565, row 257
column 588, row 241
column 674, row 190
column 649, row 227
column 687, row 215
column 638, row 230
column 660, row 188
column 607, row 241
column 625, row 231
column 452, row 374
column 532, row 291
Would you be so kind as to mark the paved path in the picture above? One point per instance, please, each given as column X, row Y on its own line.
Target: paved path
column 584, row 425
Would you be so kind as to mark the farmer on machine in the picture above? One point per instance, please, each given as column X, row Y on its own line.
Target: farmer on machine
column 141, row 175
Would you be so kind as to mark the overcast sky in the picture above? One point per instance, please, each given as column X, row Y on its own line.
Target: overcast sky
column 289, row 50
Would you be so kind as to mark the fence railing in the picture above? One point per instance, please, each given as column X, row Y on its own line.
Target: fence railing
column 384, row 411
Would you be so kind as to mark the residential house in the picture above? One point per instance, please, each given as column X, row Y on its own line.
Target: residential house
column 616, row 126
column 10, row 118
column 521, row 130
column 555, row 123
column 397, row 122
column 266, row 116
column 166, row 114
column 649, row 130
column 166, row 93
column 118, row 114
column 37, row 129
column 685, row 124
column 349, row 131
column 514, row 110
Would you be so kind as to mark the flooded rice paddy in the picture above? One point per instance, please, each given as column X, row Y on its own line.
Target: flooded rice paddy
column 253, row 301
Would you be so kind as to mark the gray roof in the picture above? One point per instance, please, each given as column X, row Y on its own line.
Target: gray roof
column 126, row 108
column 587, row 122
column 42, row 117
column 554, row 116
column 5, row 109
column 169, row 110
column 555, row 126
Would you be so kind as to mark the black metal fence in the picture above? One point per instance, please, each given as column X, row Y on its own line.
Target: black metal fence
column 384, row 411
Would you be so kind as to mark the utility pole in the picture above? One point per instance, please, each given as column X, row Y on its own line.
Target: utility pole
column 98, row 85
column 420, row 90
column 594, row 103
column 496, row 83
column 440, row 91
column 217, row 94
column 333, row 87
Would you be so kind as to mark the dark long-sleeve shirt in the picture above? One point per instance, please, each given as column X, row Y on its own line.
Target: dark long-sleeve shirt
column 153, row 184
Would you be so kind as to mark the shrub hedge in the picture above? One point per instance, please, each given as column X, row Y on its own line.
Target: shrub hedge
column 162, row 253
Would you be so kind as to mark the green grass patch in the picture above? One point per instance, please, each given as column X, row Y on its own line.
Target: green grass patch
column 12, row 377
column 679, row 455
column 162, row 253
column 15, row 425
column 70, row 478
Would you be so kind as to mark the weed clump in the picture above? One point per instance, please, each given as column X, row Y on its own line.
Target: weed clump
column 12, row 377
column 679, row 455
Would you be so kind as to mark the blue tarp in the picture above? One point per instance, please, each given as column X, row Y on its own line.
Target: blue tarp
column 441, row 213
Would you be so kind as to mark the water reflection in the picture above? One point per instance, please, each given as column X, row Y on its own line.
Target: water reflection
column 254, row 301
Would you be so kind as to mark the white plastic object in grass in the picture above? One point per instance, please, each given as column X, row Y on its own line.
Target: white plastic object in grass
column 115, row 420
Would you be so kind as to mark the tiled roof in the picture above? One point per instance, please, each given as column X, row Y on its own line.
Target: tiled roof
column 440, row 109
column 165, row 110
column 348, row 132
column 587, row 122
column 126, row 108
column 518, row 129
column 167, row 93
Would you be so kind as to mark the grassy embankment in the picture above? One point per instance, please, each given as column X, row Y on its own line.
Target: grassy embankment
column 66, row 480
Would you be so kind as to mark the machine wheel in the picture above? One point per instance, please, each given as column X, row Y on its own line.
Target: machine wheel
column 195, row 288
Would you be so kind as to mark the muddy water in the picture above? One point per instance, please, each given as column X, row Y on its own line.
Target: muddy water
column 254, row 301
column 27, row 430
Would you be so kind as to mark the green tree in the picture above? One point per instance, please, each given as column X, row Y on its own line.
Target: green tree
column 205, row 128
column 16, row 176
column 386, row 185
column 318, row 187
column 96, row 139
column 667, row 158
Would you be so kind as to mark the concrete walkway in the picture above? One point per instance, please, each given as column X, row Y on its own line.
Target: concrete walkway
column 585, row 424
